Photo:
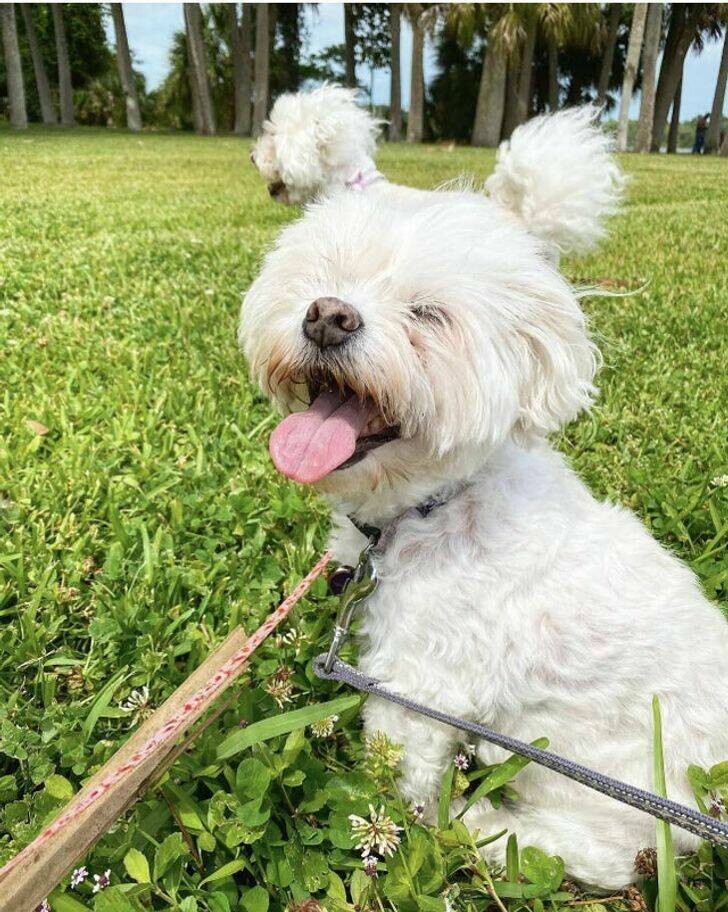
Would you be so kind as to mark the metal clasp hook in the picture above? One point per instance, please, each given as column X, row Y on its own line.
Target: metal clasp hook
column 361, row 585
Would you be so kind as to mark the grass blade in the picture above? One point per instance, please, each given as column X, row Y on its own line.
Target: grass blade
column 266, row 729
column 666, row 878
column 501, row 774
column 443, row 807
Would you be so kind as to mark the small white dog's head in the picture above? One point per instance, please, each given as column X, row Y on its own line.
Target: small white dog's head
column 408, row 341
column 313, row 142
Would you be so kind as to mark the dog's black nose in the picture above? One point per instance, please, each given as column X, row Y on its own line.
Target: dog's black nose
column 330, row 321
column 276, row 188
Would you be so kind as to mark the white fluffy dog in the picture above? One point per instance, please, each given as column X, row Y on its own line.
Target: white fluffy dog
column 315, row 142
column 423, row 345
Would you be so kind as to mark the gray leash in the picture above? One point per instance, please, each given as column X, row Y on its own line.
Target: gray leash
column 663, row 808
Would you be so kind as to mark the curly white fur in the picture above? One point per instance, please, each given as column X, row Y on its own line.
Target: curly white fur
column 315, row 141
column 523, row 602
column 557, row 174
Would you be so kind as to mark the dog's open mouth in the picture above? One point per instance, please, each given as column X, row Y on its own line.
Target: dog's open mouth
column 337, row 430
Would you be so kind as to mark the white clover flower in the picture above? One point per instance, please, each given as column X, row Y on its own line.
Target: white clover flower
column 102, row 881
column 720, row 481
column 324, row 728
column 78, row 877
column 382, row 753
column 137, row 701
column 418, row 810
column 379, row 834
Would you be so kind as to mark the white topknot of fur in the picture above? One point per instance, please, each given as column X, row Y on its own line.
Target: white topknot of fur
column 558, row 176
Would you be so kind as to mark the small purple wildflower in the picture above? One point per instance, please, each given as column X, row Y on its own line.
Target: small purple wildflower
column 102, row 881
column 43, row 907
column 717, row 805
column 370, row 865
column 461, row 761
column 419, row 811
column 78, row 877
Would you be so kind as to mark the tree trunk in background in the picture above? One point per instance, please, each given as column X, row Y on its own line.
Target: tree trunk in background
column 491, row 99
column 653, row 33
column 246, row 44
column 675, row 120
column 262, row 67
column 395, row 93
column 13, row 68
column 198, row 67
column 240, row 46
column 525, row 79
column 47, row 111
column 510, row 113
column 724, row 147
column 630, row 72
column 615, row 11
column 553, row 55
column 65, row 87
column 712, row 138
column 684, row 18
column 416, row 118
column 123, row 58
column 349, row 46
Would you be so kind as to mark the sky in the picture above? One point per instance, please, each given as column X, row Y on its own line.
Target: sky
column 150, row 27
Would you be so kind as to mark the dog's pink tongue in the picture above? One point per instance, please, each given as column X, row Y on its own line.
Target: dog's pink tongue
column 308, row 445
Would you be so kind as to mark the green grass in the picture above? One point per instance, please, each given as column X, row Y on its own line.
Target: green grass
column 147, row 521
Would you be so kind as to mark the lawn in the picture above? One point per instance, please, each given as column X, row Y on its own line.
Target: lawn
column 141, row 519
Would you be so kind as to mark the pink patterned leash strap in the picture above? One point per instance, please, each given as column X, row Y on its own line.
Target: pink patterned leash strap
column 178, row 722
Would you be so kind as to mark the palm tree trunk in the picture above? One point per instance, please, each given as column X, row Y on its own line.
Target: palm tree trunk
column 246, row 47
column 675, row 120
column 510, row 114
column 262, row 67
column 712, row 138
column 13, row 68
column 653, row 33
column 198, row 67
column 610, row 45
column 349, row 45
column 553, row 56
column 630, row 72
column 395, row 92
column 416, row 118
column 491, row 99
column 47, row 111
column 123, row 57
column 685, row 18
column 523, row 104
column 240, row 46
column 65, row 86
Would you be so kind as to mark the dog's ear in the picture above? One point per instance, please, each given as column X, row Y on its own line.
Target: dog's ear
column 560, row 363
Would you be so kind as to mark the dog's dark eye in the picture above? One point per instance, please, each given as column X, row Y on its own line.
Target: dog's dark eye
column 429, row 313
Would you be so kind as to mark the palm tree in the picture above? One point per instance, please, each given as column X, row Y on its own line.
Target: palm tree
column 684, row 21
column 350, row 45
column 13, row 68
column 395, row 91
column 240, row 43
column 712, row 138
column 262, row 66
column 653, row 33
column 202, row 99
column 491, row 97
column 65, row 86
column 634, row 49
column 123, row 57
column 610, row 44
column 674, row 131
column 47, row 111
column 416, row 117
column 528, row 48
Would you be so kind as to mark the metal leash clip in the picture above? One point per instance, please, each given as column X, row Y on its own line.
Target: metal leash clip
column 360, row 585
